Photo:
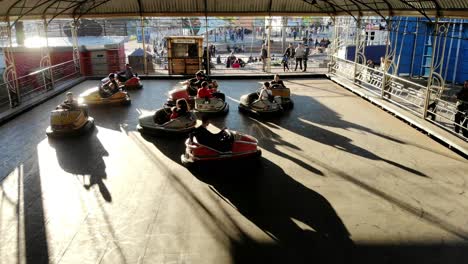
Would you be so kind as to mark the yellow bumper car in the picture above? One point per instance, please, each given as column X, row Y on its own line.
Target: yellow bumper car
column 100, row 96
column 64, row 122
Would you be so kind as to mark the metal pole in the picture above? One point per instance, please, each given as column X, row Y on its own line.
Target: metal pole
column 145, row 63
column 405, row 29
column 414, row 47
column 47, row 54
column 335, row 45
column 384, row 66
column 431, row 70
column 252, row 37
column 9, row 75
column 284, row 23
column 357, row 44
column 440, row 64
column 208, row 59
column 450, row 46
column 269, row 48
column 76, row 52
column 460, row 34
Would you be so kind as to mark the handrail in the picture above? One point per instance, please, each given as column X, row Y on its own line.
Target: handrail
column 45, row 69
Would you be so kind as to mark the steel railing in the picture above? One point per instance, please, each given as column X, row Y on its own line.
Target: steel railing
column 407, row 94
column 36, row 83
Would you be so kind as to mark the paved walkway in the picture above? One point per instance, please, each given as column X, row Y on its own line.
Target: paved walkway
column 340, row 181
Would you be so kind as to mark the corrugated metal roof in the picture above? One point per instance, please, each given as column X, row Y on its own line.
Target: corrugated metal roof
column 104, row 8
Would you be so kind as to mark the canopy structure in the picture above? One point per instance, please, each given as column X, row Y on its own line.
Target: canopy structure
column 50, row 9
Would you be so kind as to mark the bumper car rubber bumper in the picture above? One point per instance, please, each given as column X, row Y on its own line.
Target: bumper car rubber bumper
column 71, row 133
column 162, row 131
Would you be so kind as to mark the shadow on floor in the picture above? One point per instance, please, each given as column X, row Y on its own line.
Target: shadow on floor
column 83, row 157
column 301, row 222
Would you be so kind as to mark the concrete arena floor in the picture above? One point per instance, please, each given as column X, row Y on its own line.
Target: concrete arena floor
column 340, row 181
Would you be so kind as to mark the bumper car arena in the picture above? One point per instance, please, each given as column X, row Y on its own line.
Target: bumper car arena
column 333, row 178
column 234, row 132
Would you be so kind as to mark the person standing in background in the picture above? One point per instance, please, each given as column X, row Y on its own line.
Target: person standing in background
column 264, row 56
column 306, row 56
column 299, row 56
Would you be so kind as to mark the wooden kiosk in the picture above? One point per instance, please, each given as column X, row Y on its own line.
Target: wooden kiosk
column 184, row 54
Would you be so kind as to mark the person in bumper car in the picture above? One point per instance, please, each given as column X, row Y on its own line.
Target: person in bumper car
column 200, row 77
column 110, row 87
column 127, row 73
column 217, row 141
column 180, row 109
column 277, row 82
column 70, row 103
column 265, row 93
column 206, row 92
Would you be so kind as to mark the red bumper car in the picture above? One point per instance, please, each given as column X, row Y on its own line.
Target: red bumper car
column 226, row 145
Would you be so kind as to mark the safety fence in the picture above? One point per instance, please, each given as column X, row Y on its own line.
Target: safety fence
column 220, row 63
column 18, row 91
column 442, row 108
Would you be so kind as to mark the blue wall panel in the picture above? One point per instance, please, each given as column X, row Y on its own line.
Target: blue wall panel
column 422, row 54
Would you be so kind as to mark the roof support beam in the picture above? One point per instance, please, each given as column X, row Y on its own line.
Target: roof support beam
column 342, row 9
column 417, row 9
column 27, row 12
column 371, row 8
column 76, row 9
column 437, row 6
column 315, row 3
column 140, row 9
column 390, row 7
column 63, row 11
column 92, row 7
column 270, row 7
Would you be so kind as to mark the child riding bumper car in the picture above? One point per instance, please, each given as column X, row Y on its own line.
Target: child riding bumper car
column 190, row 89
column 204, row 146
column 69, row 119
column 131, row 83
column 251, row 103
column 105, row 94
column 161, row 123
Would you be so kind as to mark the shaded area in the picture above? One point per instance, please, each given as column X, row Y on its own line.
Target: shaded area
column 35, row 233
column 302, row 223
column 422, row 252
column 276, row 203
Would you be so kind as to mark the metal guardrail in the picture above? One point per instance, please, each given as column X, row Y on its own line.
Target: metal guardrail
column 158, row 65
column 36, row 83
column 406, row 94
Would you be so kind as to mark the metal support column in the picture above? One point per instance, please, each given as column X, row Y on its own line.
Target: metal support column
column 9, row 75
column 334, row 46
column 459, row 41
column 384, row 68
column 435, row 33
column 357, row 43
column 76, row 51
column 416, row 32
column 208, row 59
column 48, row 75
column 145, row 62
column 269, row 48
